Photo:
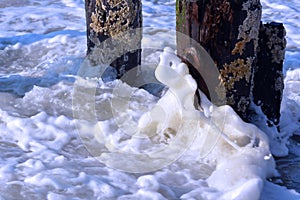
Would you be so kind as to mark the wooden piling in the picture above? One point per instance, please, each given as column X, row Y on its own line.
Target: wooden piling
column 232, row 34
column 116, row 21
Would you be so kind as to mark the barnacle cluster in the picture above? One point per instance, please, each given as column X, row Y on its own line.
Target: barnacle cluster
column 279, row 85
column 249, row 30
column 276, row 44
column 107, row 51
column 243, row 104
column 235, row 71
column 112, row 17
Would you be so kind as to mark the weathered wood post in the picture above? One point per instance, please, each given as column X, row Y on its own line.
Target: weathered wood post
column 229, row 30
column 268, row 76
column 109, row 19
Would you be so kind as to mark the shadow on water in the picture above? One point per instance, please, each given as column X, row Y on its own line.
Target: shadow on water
column 60, row 71
column 32, row 37
column 65, row 69
column 289, row 166
column 19, row 85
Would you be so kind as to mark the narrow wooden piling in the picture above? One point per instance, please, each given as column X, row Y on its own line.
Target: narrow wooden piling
column 268, row 77
column 114, row 20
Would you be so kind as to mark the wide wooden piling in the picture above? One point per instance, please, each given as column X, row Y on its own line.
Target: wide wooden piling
column 231, row 32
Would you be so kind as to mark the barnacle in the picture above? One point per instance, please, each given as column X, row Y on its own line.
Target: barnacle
column 249, row 30
column 112, row 18
column 236, row 71
column 276, row 44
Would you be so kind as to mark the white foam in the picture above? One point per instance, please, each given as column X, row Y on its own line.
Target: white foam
column 42, row 155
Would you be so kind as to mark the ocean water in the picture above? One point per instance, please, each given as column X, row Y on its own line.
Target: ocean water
column 62, row 134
